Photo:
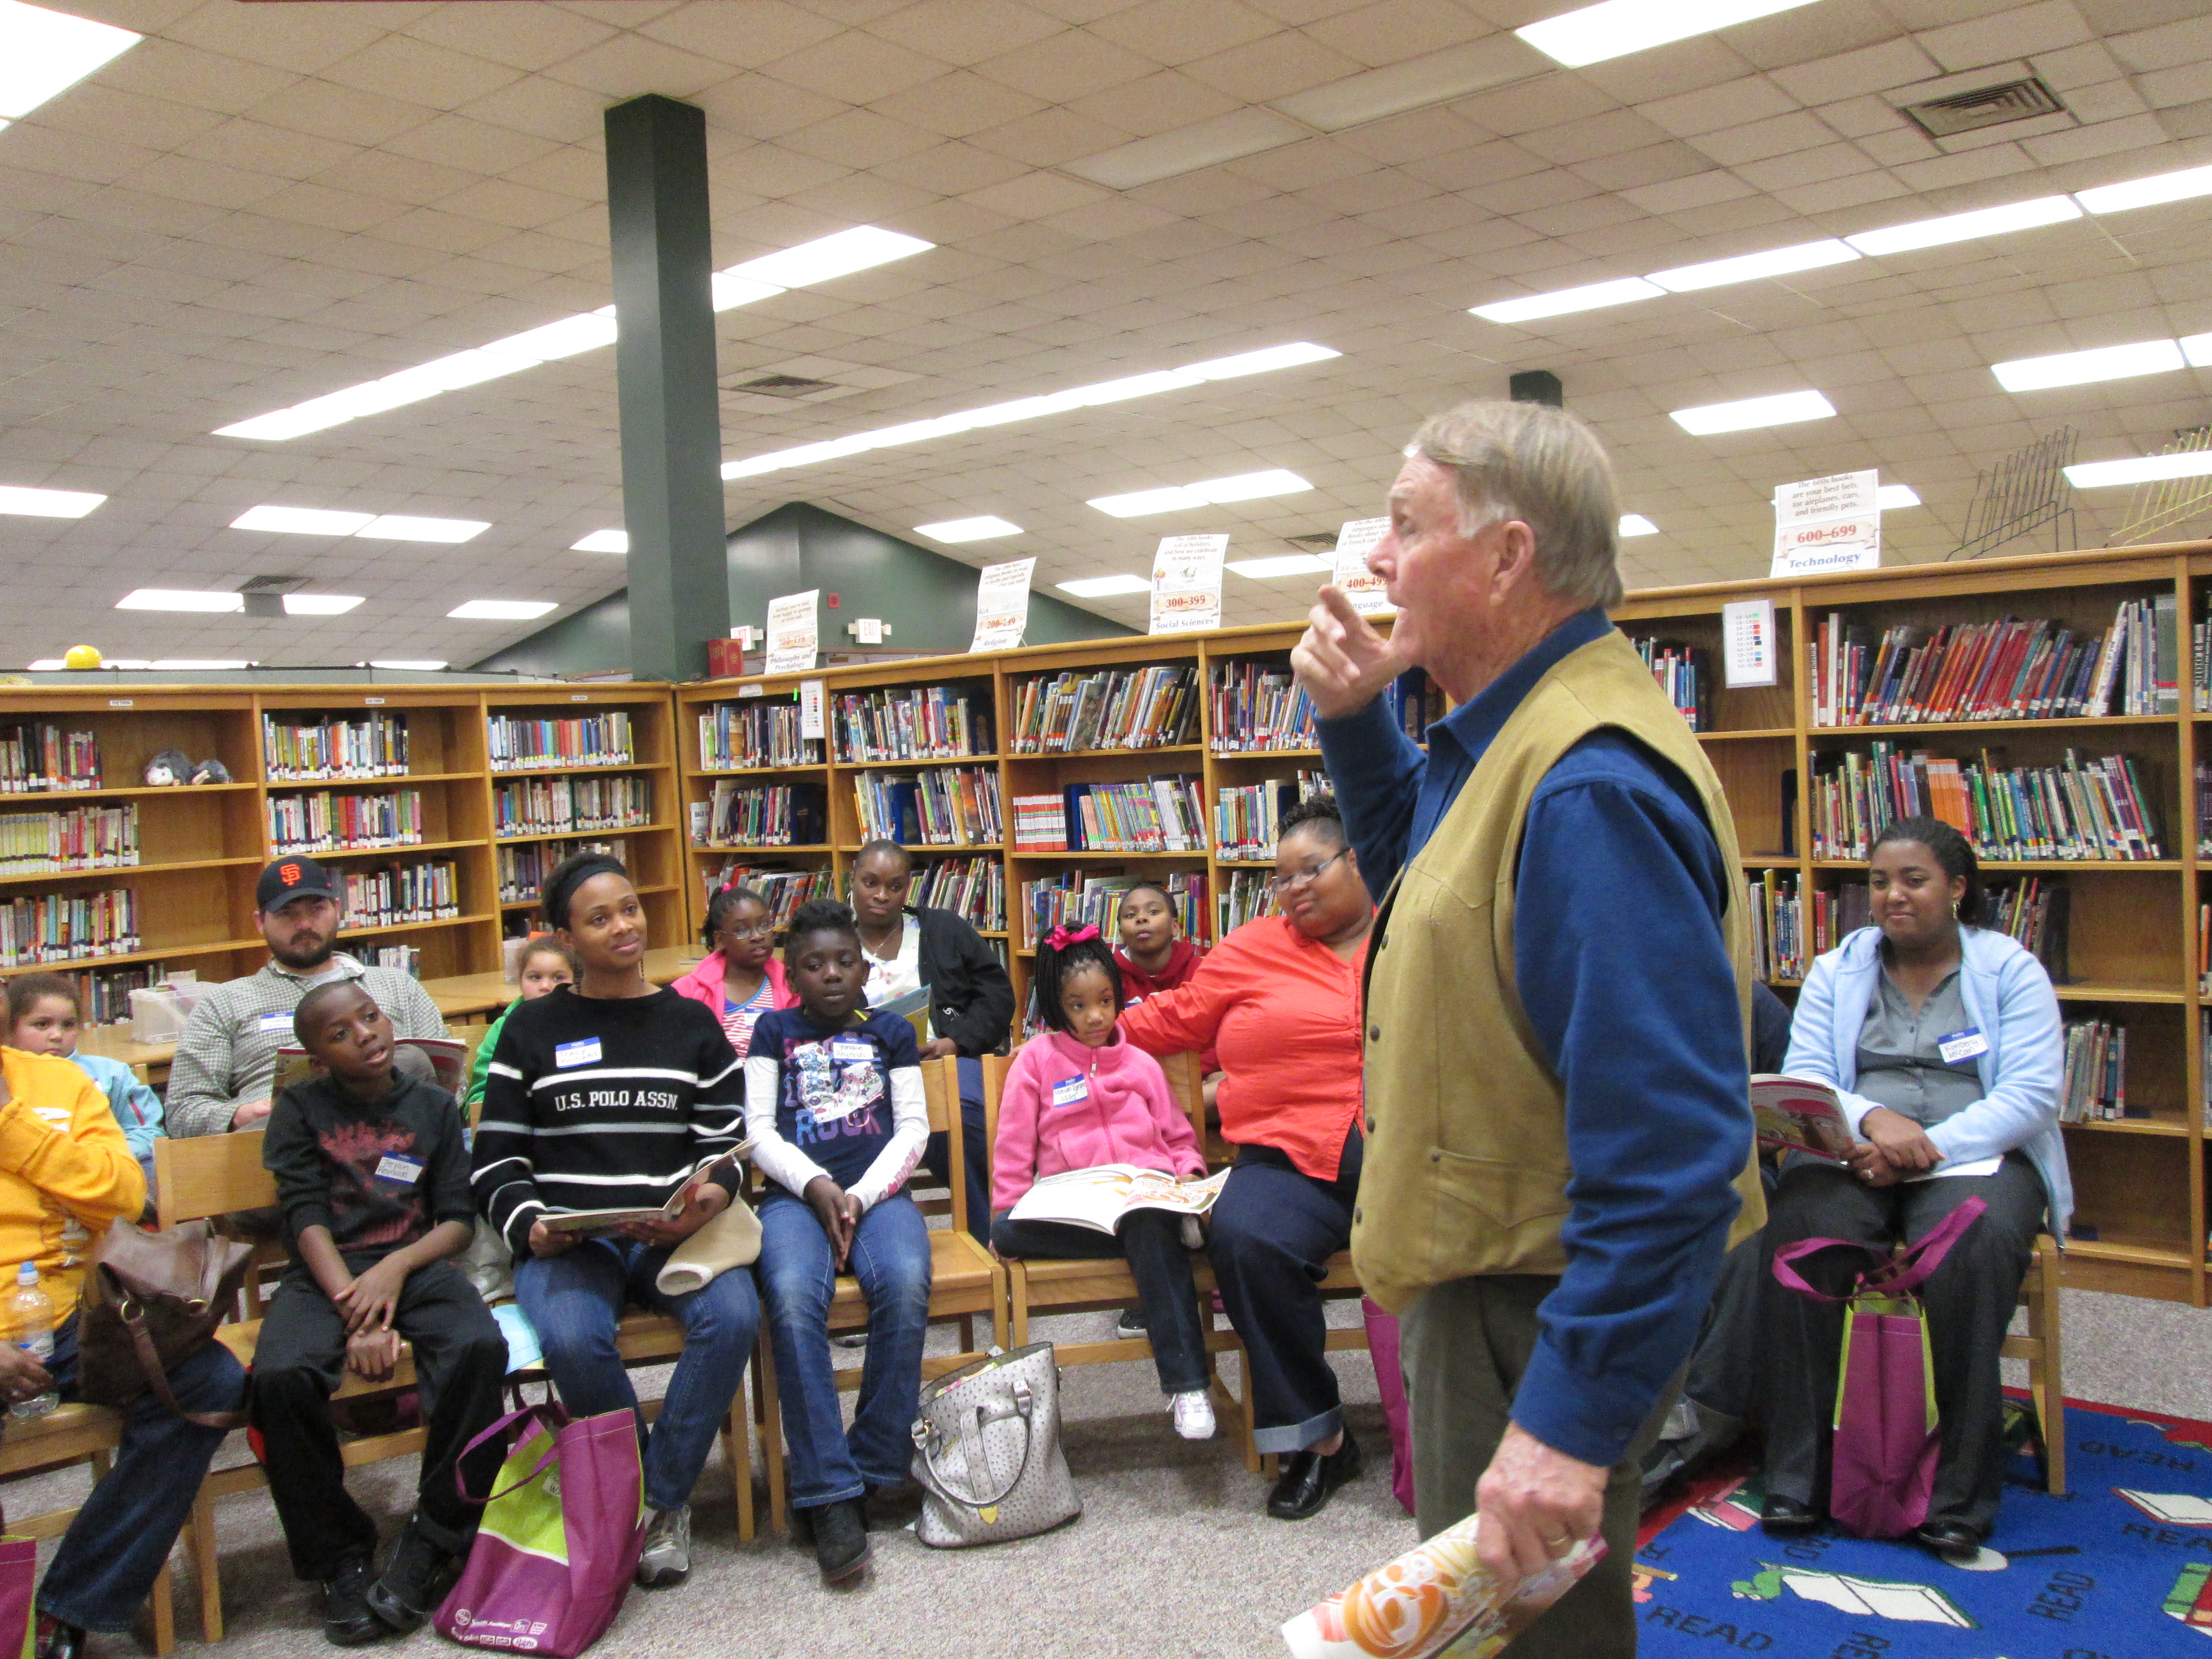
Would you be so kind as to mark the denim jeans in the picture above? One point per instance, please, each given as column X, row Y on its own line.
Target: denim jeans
column 114, row 1551
column 1151, row 1242
column 573, row 1301
column 976, row 1139
column 798, row 1276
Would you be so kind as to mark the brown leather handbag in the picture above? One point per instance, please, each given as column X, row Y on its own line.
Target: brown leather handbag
column 150, row 1301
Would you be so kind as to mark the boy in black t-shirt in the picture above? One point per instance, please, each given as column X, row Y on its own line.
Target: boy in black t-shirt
column 835, row 1109
column 372, row 1173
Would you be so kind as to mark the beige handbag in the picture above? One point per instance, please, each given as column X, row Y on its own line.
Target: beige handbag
column 732, row 1239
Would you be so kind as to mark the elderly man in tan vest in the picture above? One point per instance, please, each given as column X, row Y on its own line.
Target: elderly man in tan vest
column 1559, row 1137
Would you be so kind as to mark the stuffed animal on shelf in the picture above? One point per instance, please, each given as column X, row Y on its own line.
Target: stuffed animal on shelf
column 170, row 766
column 210, row 771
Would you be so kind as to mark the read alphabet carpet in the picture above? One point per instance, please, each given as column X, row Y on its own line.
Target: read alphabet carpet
column 2119, row 1568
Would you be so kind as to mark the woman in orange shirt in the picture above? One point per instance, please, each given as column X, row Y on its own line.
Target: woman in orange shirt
column 1279, row 999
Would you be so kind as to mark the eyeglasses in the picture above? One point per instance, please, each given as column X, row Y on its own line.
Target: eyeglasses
column 1281, row 884
column 753, row 930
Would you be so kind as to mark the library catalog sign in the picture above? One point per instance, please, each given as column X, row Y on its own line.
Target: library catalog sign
column 1187, row 583
column 1827, row 523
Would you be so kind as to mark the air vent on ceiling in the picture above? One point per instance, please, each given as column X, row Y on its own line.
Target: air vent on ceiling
column 272, row 584
column 1984, row 106
column 783, row 385
column 1320, row 541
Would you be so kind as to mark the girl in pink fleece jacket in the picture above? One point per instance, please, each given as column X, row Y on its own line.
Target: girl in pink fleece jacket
column 1080, row 1096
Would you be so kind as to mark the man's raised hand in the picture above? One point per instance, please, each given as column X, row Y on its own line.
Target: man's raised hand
column 1342, row 662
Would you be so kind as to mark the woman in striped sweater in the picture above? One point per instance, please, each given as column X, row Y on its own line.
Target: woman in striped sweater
column 610, row 1094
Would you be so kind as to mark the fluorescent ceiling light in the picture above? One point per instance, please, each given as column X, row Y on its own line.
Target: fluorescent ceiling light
column 2148, row 193
column 1243, row 487
column 2148, row 469
column 301, row 520
column 424, row 663
column 1433, row 78
column 1748, row 412
column 1208, row 143
column 47, row 503
column 319, row 605
column 1635, row 524
column 200, row 664
column 1099, row 587
column 2119, row 362
column 1589, row 297
column 1284, row 564
column 2197, row 348
column 1892, row 498
column 1966, row 226
column 603, row 541
column 179, row 598
column 404, row 527
column 1749, row 267
column 818, row 261
column 1028, row 409
column 502, row 610
column 43, row 53
column 1614, row 28
column 980, row 529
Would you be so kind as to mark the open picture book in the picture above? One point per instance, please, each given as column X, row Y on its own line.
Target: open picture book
column 585, row 1222
column 1098, row 1197
column 443, row 1061
column 1804, row 1115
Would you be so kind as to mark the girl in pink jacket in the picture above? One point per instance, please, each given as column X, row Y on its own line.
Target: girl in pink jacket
column 741, row 979
column 1079, row 1096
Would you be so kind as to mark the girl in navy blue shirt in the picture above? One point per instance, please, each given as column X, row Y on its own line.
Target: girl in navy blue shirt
column 835, row 1110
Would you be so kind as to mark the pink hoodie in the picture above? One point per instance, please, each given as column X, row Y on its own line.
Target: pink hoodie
column 1125, row 1113
column 704, row 984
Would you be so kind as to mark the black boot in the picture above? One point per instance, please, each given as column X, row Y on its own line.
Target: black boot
column 414, row 1580
column 347, row 1621
column 1310, row 1477
column 840, row 1539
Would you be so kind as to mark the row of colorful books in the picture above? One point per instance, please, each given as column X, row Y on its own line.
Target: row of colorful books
column 759, row 815
column 2093, row 1074
column 2093, row 810
column 38, row 929
column 523, row 870
column 400, row 894
column 407, row 959
column 329, row 822
column 2007, row 669
column 37, row 756
column 1063, row 714
column 535, row 807
column 104, row 993
column 972, row 888
column 752, row 734
column 520, row 743
column 1248, row 818
column 1071, row 898
column 937, row 806
column 374, row 746
column 1777, row 910
column 74, row 838
column 2038, row 911
column 783, row 891
column 1252, row 707
column 936, row 722
column 1142, row 815
column 1244, row 896
column 1685, row 674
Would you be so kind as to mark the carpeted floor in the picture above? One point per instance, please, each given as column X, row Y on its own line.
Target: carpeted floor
column 1174, row 1558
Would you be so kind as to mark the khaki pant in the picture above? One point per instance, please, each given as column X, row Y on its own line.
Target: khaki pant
column 1466, row 1344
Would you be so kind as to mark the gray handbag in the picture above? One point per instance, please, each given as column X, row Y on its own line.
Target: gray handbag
column 986, row 1452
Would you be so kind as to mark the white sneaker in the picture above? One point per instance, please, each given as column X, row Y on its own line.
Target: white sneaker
column 667, row 1557
column 1194, row 1415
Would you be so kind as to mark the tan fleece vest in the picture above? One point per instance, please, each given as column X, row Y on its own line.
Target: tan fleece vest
column 1467, row 1163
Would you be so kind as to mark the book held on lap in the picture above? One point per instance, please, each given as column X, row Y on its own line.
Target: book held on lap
column 589, row 1222
column 1099, row 1198
column 1799, row 1114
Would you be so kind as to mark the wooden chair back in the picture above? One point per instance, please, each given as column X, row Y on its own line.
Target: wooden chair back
column 201, row 1177
column 940, row 1091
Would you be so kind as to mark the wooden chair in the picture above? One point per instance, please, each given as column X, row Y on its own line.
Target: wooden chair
column 208, row 1176
column 965, row 1281
column 2040, row 1347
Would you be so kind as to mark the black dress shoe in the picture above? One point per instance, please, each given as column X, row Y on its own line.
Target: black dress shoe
column 347, row 1621
column 63, row 1640
column 1309, row 1477
column 1954, row 1541
column 1784, row 1517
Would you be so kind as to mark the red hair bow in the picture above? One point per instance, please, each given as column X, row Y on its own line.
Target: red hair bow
column 1059, row 939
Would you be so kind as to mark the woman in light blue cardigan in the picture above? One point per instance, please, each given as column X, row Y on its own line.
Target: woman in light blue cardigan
column 1943, row 1041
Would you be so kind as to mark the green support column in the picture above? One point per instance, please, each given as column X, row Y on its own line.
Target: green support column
column 664, row 377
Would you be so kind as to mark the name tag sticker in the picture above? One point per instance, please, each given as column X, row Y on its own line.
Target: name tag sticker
column 278, row 1022
column 582, row 1052
column 853, row 1048
column 393, row 1166
column 1070, row 1091
column 1968, row 1044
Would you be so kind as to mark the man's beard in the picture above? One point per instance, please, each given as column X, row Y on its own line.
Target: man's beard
column 305, row 959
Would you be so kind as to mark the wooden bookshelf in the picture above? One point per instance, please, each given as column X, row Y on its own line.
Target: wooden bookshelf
column 2140, row 1182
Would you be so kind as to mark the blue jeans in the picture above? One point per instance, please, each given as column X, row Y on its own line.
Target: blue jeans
column 114, row 1551
column 976, row 1139
column 798, row 1276
column 573, row 1302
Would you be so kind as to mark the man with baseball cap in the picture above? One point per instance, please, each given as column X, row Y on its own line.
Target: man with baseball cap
column 227, row 1057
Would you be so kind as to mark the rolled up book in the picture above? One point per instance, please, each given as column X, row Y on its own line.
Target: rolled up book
column 1436, row 1598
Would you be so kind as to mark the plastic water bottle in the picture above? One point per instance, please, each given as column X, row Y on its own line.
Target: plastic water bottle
column 30, row 1327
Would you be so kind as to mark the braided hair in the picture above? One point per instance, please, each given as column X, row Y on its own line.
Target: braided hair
column 819, row 917
column 1317, row 815
column 1054, row 968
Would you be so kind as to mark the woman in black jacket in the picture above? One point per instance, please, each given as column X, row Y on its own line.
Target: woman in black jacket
column 971, row 1000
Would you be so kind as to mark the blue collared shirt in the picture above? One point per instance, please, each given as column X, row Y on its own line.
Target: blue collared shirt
column 1623, row 970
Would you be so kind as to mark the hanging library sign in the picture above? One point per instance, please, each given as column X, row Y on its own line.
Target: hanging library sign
column 1187, row 583
column 1354, row 542
column 1827, row 523
column 794, row 635
column 1002, row 604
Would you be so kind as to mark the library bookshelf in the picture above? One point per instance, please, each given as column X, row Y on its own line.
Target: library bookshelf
column 2140, row 1181
column 201, row 846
